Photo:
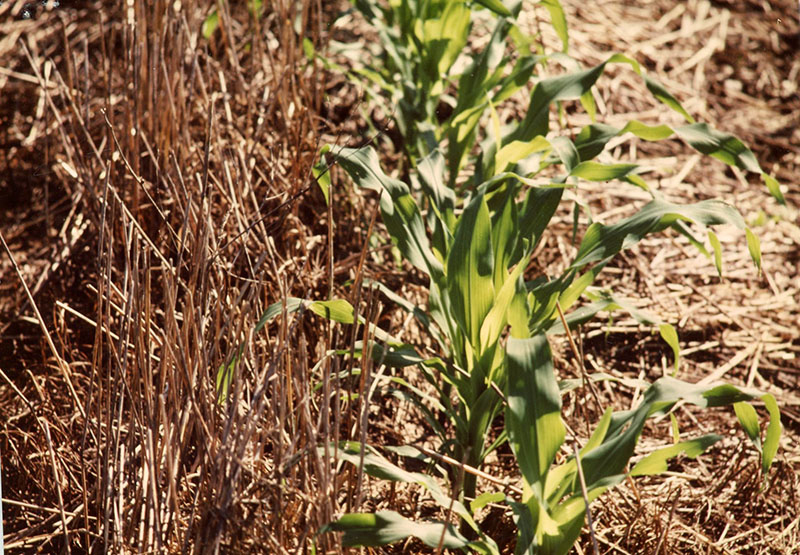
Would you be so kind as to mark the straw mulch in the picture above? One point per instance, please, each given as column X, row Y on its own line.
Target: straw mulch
column 734, row 65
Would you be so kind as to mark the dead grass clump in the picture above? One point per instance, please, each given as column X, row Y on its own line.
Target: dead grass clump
column 158, row 198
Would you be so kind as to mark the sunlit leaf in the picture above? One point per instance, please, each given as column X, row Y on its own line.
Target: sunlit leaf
column 748, row 418
column 670, row 336
column 717, row 247
column 656, row 462
column 604, row 241
column 338, row 310
column 754, row 246
column 559, row 21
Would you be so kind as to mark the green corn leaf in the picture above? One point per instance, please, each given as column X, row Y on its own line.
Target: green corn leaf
column 656, row 462
column 592, row 139
column 485, row 498
column 210, row 24
column 535, row 214
column 595, row 171
column 547, row 91
column 421, row 316
column 400, row 213
column 647, row 132
column 505, row 229
column 322, row 174
column 602, row 301
column 515, row 80
column 773, row 435
column 473, row 84
column 676, row 431
column 495, row 119
column 308, row 48
column 748, row 418
column 567, row 152
column 564, row 87
column 717, row 248
column 338, row 310
column 602, row 242
column 754, row 246
column 774, row 187
column 497, row 318
column 483, row 75
column 496, row 6
column 589, row 104
column 575, row 287
column 665, row 97
column 482, row 412
column 722, row 146
column 559, row 21
column 562, row 478
column 378, row 466
column 609, row 459
column 425, row 410
column 429, row 177
column 431, row 173
column 386, row 527
column 293, row 304
column 443, row 39
column 470, row 269
column 670, row 336
column 225, row 379
column 533, row 412
column 543, row 296
column 515, row 151
column 725, row 147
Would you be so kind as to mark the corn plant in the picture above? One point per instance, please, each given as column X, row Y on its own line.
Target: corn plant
column 478, row 289
column 420, row 43
column 473, row 238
